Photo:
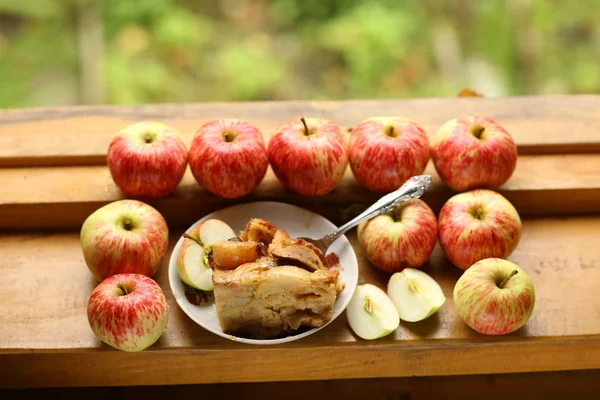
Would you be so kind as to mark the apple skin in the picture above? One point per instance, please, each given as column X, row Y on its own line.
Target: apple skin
column 130, row 322
column 147, row 170
column 308, row 164
column 400, row 239
column 383, row 152
column 478, row 224
column 228, row 157
column 486, row 307
column 465, row 162
column 125, row 236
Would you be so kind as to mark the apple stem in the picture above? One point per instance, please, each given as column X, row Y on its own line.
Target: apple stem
column 368, row 305
column 148, row 138
column 123, row 288
column 477, row 131
column 127, row 225
column 390, row 131
column 501, row 285
column 479, row 213
column 185, row 235
column 306, row 131
column 228, row 136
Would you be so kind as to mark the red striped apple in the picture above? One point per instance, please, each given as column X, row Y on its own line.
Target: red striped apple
column 308, row 155
column 384, row 152
column 147, row 160
column 128, row 312
column 402, row 238
column 125, row 236
column 494, row 296
column 478, row 224
column 228, row 157
column 473, row 152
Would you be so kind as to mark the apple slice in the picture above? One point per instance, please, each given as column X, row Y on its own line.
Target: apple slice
column 228, row 254
column 371, row 313
column 192, row 261
column 415, row 294
column 212, row 230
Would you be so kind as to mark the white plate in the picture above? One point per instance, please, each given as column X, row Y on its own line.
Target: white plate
column 297, row 222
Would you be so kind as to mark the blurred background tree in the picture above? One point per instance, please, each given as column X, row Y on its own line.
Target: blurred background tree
column 62, row 52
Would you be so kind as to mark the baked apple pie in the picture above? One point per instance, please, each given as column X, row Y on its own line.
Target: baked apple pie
column 268, row 285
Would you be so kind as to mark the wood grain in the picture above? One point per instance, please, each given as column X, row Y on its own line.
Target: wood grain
column 44, row 286
column 62, row 197
column 80, row 135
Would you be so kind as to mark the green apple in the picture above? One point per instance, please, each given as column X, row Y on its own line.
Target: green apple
column 192, row 261
column 371, row 313
column 415, row 294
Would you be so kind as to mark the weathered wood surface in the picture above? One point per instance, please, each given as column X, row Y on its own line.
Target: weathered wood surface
column 53, row 177
column 45, row 339
column 540, row 124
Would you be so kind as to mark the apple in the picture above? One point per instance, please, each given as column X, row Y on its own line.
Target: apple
column 384, row 152
column 478, row 224
column 128, row 312
column 494, row 296
column 228, row 157
column 147, row 160
column 193, row 265
column 415, row 294
column 403, row 238
column 371, row 313
column 308, row 155
column 124, row 236
column 473, row 152
column 230, row 254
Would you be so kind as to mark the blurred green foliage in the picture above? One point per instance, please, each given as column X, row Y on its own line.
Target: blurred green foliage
column 153, row 51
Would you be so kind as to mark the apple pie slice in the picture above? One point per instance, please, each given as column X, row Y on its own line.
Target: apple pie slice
column 268, row 285
column 258, row 301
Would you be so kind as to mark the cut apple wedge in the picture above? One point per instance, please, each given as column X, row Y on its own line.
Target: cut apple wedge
column 192, row 261
column 212, row 230
column 371, row 313
column 228, row 254
column 415, row 294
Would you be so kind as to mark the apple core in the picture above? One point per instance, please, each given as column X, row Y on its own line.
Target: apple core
column 368, row 305
column 412, row 285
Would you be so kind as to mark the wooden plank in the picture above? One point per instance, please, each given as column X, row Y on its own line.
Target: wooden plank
column 44, row 286
column 527, row 386
column 45, row 198
column 80, row 135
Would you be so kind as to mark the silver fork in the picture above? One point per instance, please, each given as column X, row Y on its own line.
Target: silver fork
column 413, row 188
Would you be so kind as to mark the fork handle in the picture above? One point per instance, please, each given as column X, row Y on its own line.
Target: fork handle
column 413, row 188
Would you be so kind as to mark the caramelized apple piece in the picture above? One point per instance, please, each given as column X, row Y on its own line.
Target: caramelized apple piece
column 298, row 255
column 259, row 230
column 280, row 239
column 228, row 254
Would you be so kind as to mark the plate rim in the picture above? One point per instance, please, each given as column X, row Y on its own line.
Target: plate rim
column 178, row 299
